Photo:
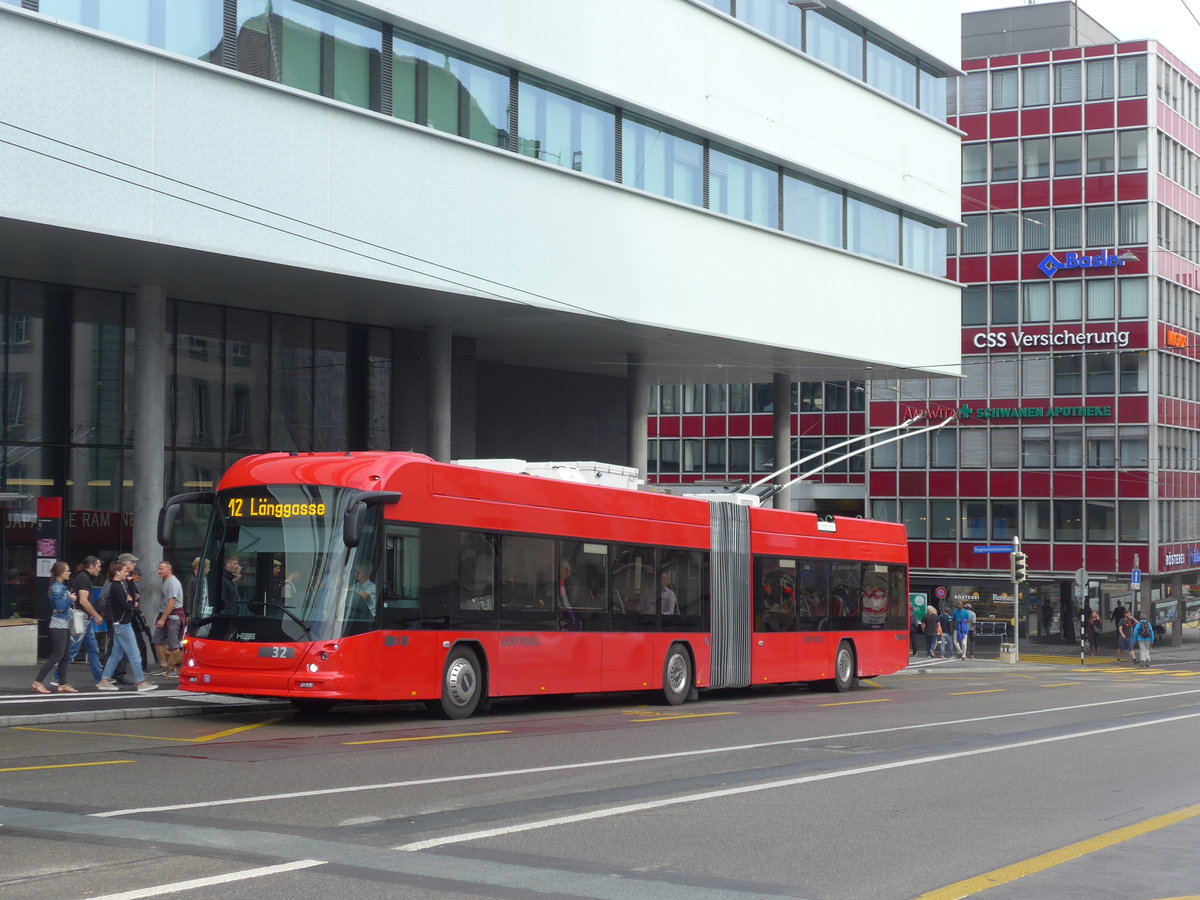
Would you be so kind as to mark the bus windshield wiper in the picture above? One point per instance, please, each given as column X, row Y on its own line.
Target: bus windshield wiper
column 291, row 615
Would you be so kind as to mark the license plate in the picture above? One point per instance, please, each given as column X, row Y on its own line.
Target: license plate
column 277, row 652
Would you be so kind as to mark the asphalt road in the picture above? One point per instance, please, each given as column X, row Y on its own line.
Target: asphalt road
column 947, row 781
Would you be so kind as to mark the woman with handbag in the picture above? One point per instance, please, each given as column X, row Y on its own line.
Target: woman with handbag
column 61, row 616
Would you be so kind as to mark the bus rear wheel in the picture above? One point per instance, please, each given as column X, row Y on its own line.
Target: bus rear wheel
column 844, row 668
column 462, row 684
column 677, row 675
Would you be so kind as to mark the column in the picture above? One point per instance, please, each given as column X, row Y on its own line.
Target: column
column 149, row 453
column 781, row 393
column 1180, row 612
column 637, row 385
column 438, row 405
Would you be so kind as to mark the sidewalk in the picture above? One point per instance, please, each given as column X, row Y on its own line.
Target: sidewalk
column 19, row 705
column 1054, row 650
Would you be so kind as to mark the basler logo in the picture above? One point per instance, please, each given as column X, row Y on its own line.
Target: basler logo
column 1052, row 263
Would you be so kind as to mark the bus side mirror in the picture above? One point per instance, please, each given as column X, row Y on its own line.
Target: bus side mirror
column 356, row 514
column 171, row 509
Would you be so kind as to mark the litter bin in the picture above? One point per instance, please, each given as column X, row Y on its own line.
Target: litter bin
column 1008, row 653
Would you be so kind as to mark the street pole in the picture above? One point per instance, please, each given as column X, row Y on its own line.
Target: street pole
column 1016, row 543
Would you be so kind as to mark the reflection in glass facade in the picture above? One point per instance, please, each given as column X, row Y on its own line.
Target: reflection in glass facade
column 192, row 29
column 662, row 162
column 557, row 128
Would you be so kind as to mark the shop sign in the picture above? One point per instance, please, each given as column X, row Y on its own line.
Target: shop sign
column 1034, row 412
column 1174, row 559
column 989, row 339
column 1052, row 263
column 1176, row 339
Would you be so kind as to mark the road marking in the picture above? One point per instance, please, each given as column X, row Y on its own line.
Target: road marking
column 621, row 761
column 965, row 693
column 1008, row 874
column 872, row 682
column 426, row 737
column 1062, row 684
column 194, row 883
column 853, row 702
column 683, row 716
column 151, row 737
column 769, row 786
column 112, row 762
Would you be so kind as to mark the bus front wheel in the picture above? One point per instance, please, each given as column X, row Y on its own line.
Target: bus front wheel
column 677, row 675
column 462, row 684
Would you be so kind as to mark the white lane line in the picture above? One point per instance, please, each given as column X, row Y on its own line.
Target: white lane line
column 562, row 767
column 211, row 880
column 768, row 786
column 89, row 694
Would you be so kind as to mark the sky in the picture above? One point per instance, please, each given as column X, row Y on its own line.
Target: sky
column 1170, row 22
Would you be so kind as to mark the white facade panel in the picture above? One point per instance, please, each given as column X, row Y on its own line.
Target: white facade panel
column 685, row 61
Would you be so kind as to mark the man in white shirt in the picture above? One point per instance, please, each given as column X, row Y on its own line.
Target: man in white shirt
column 168, row 627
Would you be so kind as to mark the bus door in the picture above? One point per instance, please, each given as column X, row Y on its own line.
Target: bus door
column 774, row 644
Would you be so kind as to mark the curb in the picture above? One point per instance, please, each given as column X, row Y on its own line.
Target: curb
column 154, row 712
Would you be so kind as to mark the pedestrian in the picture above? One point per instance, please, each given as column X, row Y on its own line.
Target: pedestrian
column 914, row 629
column 1143, row 633
column 946, row 624
column 81, row 590
column 962, row 625
column 1125, row 636
column 168, row 627
column 933, row 630
column 1095, row 627
column 971, row 619
column 141, row 631
column 61, row 604
column 122, row 610
column 1117, row 614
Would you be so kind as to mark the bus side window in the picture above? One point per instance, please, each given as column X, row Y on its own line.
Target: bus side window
column 402, row 573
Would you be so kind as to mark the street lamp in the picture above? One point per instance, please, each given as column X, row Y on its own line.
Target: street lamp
column 1129, row 256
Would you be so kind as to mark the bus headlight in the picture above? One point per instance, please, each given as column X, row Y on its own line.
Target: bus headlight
column 313, row 667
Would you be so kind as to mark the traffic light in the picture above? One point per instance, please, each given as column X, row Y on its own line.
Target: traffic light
column 1018, row 566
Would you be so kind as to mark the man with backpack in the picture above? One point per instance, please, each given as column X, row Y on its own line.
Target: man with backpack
column 1143, row 633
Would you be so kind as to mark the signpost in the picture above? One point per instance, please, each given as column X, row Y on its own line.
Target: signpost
column 1081, row 580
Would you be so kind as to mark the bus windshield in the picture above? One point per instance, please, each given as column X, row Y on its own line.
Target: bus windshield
column 276, row 568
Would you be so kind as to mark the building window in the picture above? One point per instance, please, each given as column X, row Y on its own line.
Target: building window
column 743, row 189
column 1132, row 146
column 1035, row 376
column 1005, row 519
column 974, row 234
column 924, row 246
column 1036, row 87
column 1004, row 304
column 1067, row 159
column 1101, row 299
column 661, row 161
column 1133, row 446
column 739, row 398
column 1004, row 161
column 1068, row 301
column 883, row 510
column 1134, row 301
column 693, row 399
column 1068, row 235
column 974, row 305
column 1134, row 373
column 1035, row 447
column 1101, row 447
column 974, row 93
column 1133, row 521
column 1101, row 226
column 764, row 454
column 668, row 457
column 739, row 455
column 1132, row 220
column 943, row 519
column 835, row 41
column 943, row 449
column 892, row 71
column 1068, row 520
column 189, row 29
column 1132, row 76
column 872, row 230
column 1068, row 447
column 1006, row 377
column 449, row 92
column 974, row 163
column 932, row 92
column 1100, row 79
column 714, row 398
column 1100, row 153
column 974, row 520
column 1068, row 374
column 714, row 456
column 1037, row 229
column 912, row 513
column 1037, row 158
column 1037, row 520
column 669, row 405
column 1101, row 373
column 565, row 130
column 812, row 210
column 1067, row 83
column 1004, row 89
column 693, row 456
column 1005, row 447
column 1004, row 232
column 1037, row 302
column 913, row 452
column 972, row 448
column 1101, row 521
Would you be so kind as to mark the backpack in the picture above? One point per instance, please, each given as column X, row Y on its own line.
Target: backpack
column 100, row 600
column 1144, row 630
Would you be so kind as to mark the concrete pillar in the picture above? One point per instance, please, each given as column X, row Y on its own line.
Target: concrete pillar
column 637, row 382
column 1180, row 612
column 781, row 388
column 439, row 406
column 149, row 437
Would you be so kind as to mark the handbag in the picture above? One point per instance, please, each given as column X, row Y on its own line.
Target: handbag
column 79, row 622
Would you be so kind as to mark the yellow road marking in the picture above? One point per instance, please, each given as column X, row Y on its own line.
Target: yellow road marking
column 683, row 716
column 872, row 682
column 151, row 737
column 988, row 691
column 1008, row 874
column 425, row 737
column 114, row 762
column 853, row 702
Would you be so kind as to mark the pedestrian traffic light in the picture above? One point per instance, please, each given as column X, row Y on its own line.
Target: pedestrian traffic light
column 1018, row 566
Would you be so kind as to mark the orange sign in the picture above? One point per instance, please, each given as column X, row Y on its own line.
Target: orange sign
column 1176, row 339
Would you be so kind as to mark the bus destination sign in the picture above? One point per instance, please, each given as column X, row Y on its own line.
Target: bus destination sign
column 270, row 508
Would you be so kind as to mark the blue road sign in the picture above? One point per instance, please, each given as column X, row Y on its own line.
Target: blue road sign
column 1135, row 578
column 986, row 548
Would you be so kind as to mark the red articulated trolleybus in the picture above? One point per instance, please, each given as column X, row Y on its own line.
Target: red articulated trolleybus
column 391, row 577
